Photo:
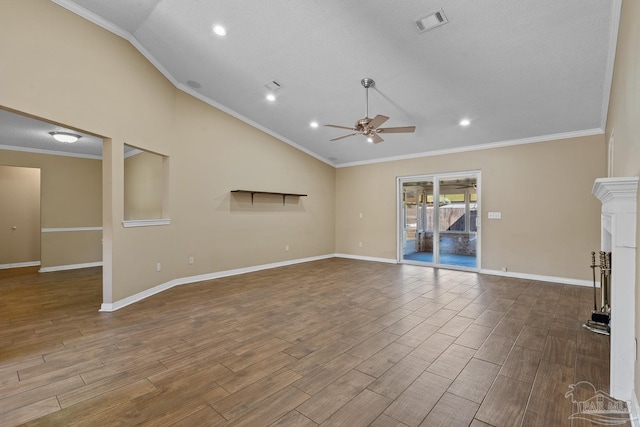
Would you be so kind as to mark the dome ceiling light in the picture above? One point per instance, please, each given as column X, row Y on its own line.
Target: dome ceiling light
column 67, row 137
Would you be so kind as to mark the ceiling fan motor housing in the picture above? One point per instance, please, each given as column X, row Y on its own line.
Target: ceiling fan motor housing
column 362, row 123
column 367, row 83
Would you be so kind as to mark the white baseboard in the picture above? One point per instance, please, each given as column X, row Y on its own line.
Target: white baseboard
column 20, row 265
column 552, row 279
column 107, row 307
column 70, row 267
column 367, row 258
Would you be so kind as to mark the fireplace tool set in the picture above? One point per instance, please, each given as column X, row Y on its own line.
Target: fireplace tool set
column 600, row 316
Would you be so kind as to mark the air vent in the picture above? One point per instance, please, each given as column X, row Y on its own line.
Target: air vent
column 273, row 85
column 430, row 21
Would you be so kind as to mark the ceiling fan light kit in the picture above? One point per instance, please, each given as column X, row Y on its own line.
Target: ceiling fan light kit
column 368, row 127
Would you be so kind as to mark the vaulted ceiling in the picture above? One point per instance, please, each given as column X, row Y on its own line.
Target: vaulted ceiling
column 519, row 70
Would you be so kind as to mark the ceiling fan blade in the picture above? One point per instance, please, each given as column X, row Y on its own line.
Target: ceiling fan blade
column 341, row 137
column 377, row 121
column 340, row 127
column 375, row 138
column 401, row 129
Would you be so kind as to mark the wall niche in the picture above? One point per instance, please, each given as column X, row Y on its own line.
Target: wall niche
column 145, row 187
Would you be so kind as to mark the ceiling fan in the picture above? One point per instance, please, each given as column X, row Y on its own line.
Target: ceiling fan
column 369, row 127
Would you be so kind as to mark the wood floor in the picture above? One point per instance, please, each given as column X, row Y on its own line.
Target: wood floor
column 334, row 343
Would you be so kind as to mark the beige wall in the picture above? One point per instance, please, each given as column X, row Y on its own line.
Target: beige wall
column 231, row 155
column 19, row 214
column 115, row 92
column 624, row 111
column 550, row 221
column 70, row 196
column 220, row 230
column 70, row 248
column 143, row 186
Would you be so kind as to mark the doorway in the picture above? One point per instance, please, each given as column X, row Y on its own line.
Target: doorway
column 65, row 195
column 438, row 221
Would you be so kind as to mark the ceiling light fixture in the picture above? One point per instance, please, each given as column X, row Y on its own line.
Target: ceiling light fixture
column 465, row 122
column 219, row 30
column 271, row 97
column 313, row 124
column 65, row 137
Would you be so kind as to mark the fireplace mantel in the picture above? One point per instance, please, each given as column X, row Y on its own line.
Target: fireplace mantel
column 619, row 204
column 618, row 194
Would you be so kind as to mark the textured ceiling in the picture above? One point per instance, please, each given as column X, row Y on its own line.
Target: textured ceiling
column 29, row 134
column 520, row 70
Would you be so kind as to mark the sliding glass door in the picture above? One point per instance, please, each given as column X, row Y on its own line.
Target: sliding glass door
column 438, row 220
column 457, row 225
column 417, row 220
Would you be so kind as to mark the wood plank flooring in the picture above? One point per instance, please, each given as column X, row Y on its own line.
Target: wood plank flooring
column 333, row 343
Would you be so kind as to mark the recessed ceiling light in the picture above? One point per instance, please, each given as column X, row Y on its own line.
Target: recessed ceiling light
column 314, row 124
column 271, row 97
column 465, row 122
column 65, row 137
column 219, row 30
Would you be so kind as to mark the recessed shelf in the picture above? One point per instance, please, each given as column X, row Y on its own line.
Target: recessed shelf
column 284, row 195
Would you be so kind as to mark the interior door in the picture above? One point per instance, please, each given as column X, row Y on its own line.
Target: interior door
column 19, row 216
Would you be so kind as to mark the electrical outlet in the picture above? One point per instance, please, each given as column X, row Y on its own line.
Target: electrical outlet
column 191, row 260
column 504, row 269
column 158, row 267
column 360, row 244
column 286, row 248
column 361, row 216
column 494, row 215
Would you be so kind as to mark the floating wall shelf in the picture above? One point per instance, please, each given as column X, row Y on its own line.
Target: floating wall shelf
column 284, row 195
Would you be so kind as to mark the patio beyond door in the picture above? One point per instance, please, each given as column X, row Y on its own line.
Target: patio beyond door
column 439, row 220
